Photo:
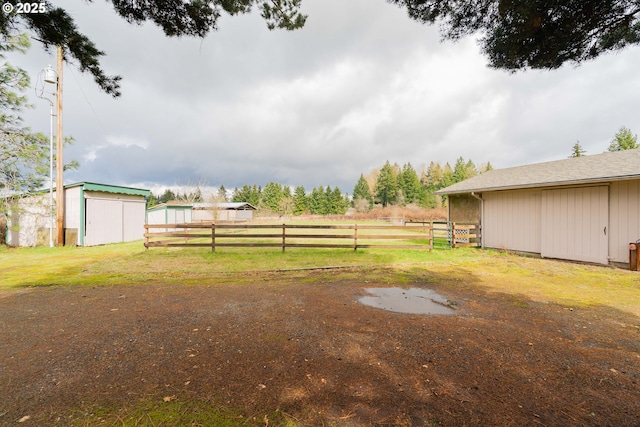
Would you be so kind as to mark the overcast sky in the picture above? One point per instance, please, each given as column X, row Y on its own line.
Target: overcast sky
column 360, row 84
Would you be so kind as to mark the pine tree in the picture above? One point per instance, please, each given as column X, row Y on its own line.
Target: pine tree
column 433, row 177
column 485, row 168
column 318, row 201
column 386, row 186
column 341, row 205
column 471, row 169
column 271, row 196
column 362, row 191
column 286, row 191
column 409, row 184
column 152, row 201
column 300, row 201
column 167, row 196
column 447, row 176
column 313, row 201
column 447, row 180
column 241, row 195
column 460, row 172
column 255, row 196
column 337, row 203
column 24, row 156
column 624, row 140
column 577, row 150
column 222, row 195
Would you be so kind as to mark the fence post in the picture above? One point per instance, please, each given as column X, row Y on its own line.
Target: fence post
column 453, row 235
column 355, row 237
column 283, row 236
column 213, row 236
column 146, row 236
column 430, row 236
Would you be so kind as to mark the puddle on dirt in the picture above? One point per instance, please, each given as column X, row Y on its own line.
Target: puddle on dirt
column 413, row 301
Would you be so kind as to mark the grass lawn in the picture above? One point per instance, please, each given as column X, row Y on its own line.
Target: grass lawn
column 130, row 264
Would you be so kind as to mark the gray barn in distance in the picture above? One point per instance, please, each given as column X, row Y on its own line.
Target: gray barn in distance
column 178, row 212
column 583, row 209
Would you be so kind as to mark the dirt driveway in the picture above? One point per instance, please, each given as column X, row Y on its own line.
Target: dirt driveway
column 307, row 348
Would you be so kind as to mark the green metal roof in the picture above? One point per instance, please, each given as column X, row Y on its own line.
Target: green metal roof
column 168, row 206
column 116, row 189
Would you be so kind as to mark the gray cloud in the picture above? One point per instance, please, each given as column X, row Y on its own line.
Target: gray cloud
column 359, row 85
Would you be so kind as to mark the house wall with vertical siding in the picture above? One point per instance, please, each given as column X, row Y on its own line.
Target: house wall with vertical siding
column 511, row 220
column 575, row 223
column 624, row 218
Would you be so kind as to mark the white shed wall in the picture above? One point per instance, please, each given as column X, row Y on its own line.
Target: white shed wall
column 624, row 218
column 24, row 220
column 133, row 212
column 72, row 208
column 244, row 214
column 157, row 217
column 207, row 215
column 112, row 218
column 169, row 215
column 511, row 220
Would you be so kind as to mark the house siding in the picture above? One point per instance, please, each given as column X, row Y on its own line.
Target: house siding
column 575, row 224
column 624, row 218
column 511, row 220
column 566, row 223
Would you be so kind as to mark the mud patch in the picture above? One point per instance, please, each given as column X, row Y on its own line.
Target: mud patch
column 411, row 301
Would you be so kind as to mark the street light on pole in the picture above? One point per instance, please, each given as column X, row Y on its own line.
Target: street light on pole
column 49, row 76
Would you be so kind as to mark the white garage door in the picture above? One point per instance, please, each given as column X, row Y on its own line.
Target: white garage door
column 103, row 221
column 575, row 223
column 133, row 220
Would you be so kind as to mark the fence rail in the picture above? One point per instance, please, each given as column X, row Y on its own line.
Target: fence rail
column 425, row 235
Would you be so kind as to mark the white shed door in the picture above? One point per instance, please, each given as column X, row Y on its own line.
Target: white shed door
column 132, row 220
column 575, row 224
column 103, row 222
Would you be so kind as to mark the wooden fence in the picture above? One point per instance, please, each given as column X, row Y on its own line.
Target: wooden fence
column 424, row 235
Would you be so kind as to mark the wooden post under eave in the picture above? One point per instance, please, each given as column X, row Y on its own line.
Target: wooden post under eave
column 59, row 146
column 453, row 235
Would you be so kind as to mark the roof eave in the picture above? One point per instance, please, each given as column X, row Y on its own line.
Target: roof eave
column 602, row 180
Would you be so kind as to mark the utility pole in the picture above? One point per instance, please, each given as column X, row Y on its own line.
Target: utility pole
column 59, row 146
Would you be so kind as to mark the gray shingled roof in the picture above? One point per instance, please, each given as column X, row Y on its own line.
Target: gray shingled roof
column 619, row 165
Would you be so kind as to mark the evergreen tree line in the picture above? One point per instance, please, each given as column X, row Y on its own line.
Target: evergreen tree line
column 395, row 185
column 281, row 199
column 274, row 196
column 390, row 185
column 169, row 195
